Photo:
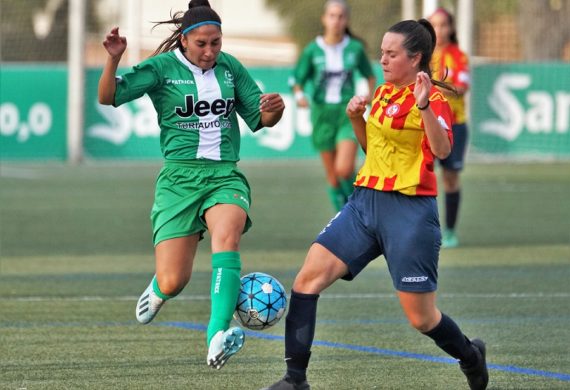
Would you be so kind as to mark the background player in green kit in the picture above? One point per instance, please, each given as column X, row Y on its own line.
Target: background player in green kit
column 196, row 90
column 329, row 63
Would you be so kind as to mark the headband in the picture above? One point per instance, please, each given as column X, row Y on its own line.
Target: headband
column 196, row 25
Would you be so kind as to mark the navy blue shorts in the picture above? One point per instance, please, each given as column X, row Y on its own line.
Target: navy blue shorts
column 405, row 229
column 455, row 160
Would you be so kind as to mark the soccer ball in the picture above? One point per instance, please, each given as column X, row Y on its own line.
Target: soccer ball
column 262, row 301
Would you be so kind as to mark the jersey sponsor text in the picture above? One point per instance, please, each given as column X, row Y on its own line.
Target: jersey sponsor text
column 203, row 108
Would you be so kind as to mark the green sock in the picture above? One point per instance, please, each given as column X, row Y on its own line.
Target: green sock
column 158, row 292
column 224, row 291
column 336, row 197
column 347, row 186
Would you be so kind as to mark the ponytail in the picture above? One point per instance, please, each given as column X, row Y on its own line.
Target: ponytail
column 199, row 13
column 420, row 38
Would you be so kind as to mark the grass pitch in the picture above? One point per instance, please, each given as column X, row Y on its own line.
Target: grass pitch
column 75, row 247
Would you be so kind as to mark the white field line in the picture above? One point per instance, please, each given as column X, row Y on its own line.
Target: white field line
column 324, row 296
column 19, row 173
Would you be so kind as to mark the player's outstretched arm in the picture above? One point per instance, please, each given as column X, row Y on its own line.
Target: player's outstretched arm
column 115, row 46
column 271, row 106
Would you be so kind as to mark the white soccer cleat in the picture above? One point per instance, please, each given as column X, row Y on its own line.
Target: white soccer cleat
column 224, row 345
column 148, row 305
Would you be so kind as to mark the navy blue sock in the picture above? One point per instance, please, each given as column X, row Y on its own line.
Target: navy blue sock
column 299, row 333
column 449, row 337
column 452, row 200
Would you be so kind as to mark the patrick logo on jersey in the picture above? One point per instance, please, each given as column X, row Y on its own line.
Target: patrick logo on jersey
column 202, row 108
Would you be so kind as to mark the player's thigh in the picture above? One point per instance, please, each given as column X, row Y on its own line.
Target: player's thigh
column 225, row 209
column 328, row 160
column 345, row 158
column 226, row 223
column 174, row 260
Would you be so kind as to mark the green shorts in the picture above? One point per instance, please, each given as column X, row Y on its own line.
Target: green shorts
column 186, row 189
column 330, row 126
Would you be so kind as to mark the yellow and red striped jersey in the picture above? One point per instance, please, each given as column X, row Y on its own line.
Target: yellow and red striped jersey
column 398, row 154
column 454, row 62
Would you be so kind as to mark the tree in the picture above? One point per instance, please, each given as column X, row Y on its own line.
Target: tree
column 369, row 19
column 544, row 28
column 18, row 41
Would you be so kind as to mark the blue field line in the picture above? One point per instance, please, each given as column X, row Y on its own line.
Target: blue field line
column 380, row 351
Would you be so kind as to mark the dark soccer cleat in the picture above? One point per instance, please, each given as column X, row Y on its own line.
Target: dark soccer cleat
column 287, row 383
column 477, row 374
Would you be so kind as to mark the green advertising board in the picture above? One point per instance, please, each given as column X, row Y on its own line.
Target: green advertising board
column 521, row 109
column 33, row 107
column 516, row 110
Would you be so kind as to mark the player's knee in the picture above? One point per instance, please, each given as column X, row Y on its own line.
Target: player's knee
column 227, row 240
column 421, row 323
column 172, row 284
column 451, row 181
column 344, row 172
column 303, row 283
column 307, row 283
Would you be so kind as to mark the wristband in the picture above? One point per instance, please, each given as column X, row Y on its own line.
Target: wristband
column 424, row 107
column 299, row 95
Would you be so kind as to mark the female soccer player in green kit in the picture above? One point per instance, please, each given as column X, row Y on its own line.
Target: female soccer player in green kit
column 197, row 91
column 329, row 63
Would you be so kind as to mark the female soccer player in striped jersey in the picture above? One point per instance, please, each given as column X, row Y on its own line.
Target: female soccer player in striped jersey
column 197, row 91
column 451, row 63
column 393, row 210
column 329, row 64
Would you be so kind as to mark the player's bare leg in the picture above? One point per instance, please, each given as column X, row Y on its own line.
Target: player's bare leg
column 422, row 313
column 344, row 165
column 174, row 260
column 452, row 189
column 334, row 191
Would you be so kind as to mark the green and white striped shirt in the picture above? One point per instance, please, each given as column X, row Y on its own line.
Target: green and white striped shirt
column 330, row 68
column 196, row 109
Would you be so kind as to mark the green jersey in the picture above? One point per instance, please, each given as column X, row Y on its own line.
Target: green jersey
column 331, row 68
column 196, row 109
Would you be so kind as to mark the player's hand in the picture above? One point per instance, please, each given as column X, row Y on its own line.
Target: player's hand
column 271, row 102
column 422, row 89
column 114, row 43
column 356, row 107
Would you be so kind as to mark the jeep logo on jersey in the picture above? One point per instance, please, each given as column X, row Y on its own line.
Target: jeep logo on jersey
column 203, row 107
